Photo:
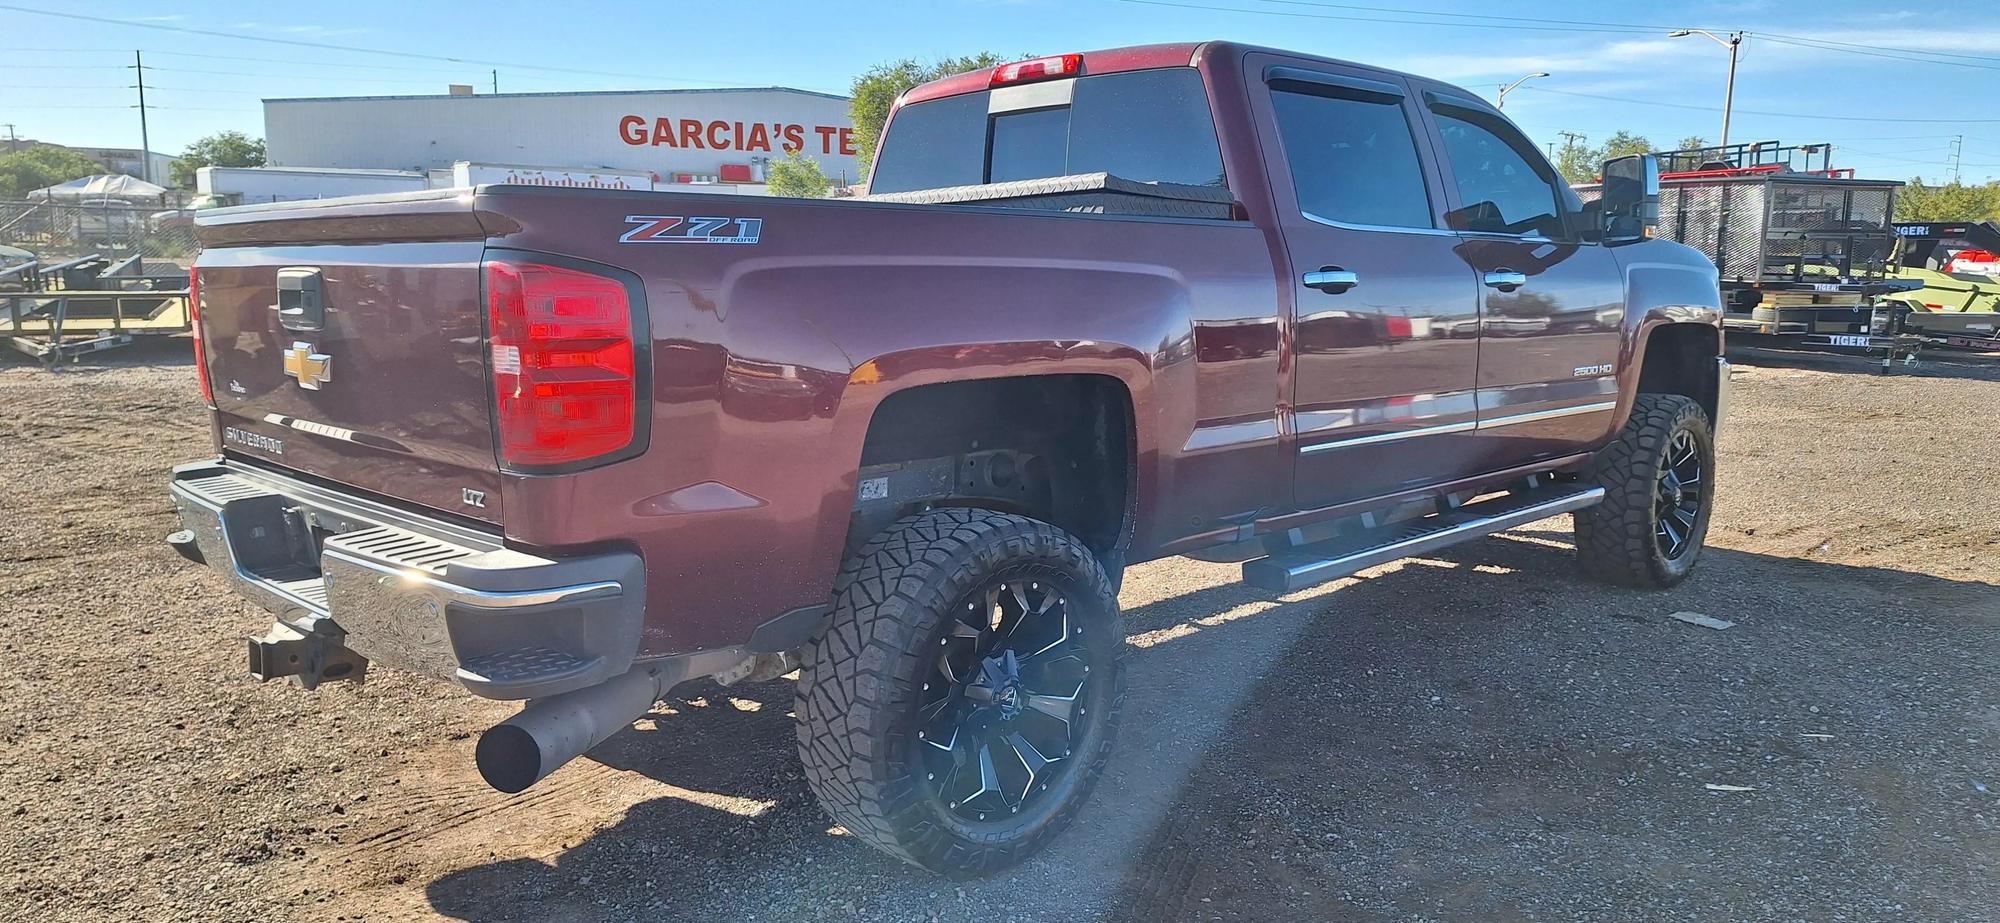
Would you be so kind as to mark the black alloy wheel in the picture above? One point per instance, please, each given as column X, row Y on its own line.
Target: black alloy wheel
column 1682, row 484
column 1005, row 705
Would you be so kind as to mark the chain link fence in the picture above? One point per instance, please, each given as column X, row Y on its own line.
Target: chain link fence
column 54, row 231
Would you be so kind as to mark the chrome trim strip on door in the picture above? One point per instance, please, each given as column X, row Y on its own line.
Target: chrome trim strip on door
column 1390, row 228
column 1397, row 436
column 1540, row 415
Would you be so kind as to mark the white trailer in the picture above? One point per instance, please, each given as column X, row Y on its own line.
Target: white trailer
column 465, row 173
column 250, row 185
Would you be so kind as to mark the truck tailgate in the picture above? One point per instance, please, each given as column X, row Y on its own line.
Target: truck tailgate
column 345, row 341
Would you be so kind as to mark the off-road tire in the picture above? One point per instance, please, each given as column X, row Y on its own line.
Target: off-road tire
column 858, row 686
column 1615, row 540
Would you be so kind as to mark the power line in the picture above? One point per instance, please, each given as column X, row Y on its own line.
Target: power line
column 1639, row 27
column 1828, row 41
column 1635, row 27
column 1875, row 54
column 1775, row 115
column 1414, row 22
column 1561, row 25
column 329, row 46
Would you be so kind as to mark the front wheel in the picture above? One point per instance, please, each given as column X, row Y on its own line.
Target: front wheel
column 961, row 700
column 1659, row 488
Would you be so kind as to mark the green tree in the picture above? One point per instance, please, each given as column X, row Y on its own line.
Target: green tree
column 1576, row 160
column 1692, row 143
column 1948, row 202
column 227, row 149
column 1579, row 161
column 875, row 91
column 43, row 165
column 1623, row 144
column 797, row 176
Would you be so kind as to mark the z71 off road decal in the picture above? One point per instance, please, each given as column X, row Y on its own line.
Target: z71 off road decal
column 673, row 229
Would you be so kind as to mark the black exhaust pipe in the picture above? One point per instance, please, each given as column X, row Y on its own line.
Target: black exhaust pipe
column 524, row 749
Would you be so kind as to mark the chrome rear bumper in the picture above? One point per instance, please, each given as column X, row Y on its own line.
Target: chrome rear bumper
column 410, row 591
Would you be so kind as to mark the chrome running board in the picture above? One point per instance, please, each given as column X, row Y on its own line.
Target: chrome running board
column 1345, row 556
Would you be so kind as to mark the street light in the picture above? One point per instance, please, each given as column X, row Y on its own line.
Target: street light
column 1501, row 103
column 1733, row 43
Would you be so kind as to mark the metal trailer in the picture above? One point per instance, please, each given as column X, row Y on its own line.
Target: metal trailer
column 63, row 310
column 1957, row 309
column 1805, row 255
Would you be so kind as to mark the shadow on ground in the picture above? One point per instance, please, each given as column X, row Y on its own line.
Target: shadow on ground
column 1932, row 362
column 1476, row 736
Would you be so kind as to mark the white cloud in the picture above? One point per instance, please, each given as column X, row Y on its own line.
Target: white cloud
column 306, row 30
column 1639, row 56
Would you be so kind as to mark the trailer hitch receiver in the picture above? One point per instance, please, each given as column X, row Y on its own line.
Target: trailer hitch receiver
column 309, row 658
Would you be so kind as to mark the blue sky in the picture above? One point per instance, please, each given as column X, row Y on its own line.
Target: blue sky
column 66, row 81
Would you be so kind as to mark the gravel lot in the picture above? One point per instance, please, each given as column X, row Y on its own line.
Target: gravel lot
column 1476, row 736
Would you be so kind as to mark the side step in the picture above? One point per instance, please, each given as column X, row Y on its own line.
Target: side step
column 1333, row 559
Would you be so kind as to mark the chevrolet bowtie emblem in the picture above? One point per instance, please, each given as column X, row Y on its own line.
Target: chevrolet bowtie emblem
column 310, row 368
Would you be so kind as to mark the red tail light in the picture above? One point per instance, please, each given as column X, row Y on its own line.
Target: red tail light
column 1061, row 65
column 564, row 362
column 194, row 328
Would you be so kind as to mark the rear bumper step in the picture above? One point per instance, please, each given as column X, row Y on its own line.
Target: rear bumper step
column 1308, row 565
column 348, row 576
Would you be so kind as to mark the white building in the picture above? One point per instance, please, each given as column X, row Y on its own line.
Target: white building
column 686, row 136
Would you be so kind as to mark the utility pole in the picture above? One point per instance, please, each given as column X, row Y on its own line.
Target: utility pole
column 145, row 140
column 1957, row 149
column 13, row 143
column 1734, row 43
column 496, row 81
column 1501, row 101
column 1571, row 139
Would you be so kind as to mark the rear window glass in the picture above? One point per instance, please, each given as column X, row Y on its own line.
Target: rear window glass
column 1152, row 126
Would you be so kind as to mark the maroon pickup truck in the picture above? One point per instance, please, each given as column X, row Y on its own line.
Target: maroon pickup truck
column 578, row 446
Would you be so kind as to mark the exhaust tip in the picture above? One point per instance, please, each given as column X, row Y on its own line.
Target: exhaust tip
column 509, row 759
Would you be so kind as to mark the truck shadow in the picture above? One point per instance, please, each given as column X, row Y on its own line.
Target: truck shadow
column 1931, row 363
column 1416, row 743
column 142, row 352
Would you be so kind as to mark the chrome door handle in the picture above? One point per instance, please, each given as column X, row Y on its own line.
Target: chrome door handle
column 1505, row 280
column 1331, row 279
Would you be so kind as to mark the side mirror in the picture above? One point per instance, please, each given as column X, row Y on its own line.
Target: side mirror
column 1629, row 207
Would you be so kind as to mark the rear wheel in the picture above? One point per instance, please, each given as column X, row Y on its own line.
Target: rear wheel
column 1659, row 487
column 961, row 700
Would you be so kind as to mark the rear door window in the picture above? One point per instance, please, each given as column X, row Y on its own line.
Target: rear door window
column 1353, row 156
column 1153, row 126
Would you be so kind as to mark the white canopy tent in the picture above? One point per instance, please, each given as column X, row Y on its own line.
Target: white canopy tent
column 101, row 186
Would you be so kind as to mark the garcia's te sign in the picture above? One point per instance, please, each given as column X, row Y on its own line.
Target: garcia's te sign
column 719, row 135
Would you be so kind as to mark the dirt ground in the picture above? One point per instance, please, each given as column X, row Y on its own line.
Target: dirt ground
column 1478, row 736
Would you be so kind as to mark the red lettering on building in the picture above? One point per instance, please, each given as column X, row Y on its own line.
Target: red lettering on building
column 721, row 135
column 632, row 129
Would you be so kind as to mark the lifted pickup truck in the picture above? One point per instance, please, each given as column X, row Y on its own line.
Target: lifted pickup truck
column 578, row 446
